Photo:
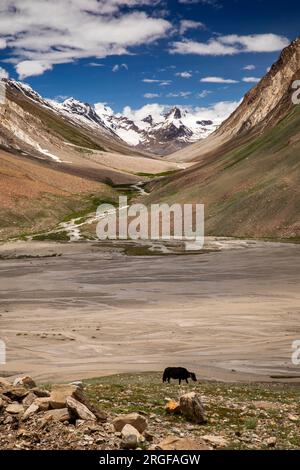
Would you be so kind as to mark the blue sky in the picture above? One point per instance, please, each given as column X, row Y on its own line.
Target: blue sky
column 136, row 52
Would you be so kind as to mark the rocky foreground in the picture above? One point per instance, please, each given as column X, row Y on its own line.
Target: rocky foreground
column 139, row 412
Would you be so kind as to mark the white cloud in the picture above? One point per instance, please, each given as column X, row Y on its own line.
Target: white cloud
column 251, row 79
column 30, row 68
column 180, row 94
column 158, row 82
column 249, row 67
column 3, row 73
column 55, row 32
column 204, row 94
column 213, row 47
column 2, row 43
column 118, row 67
column 151, row 95
column 184, row 74
column 185, row 25
column 231, row 44
column 217, row 112
column 95, row 64
column 151, row 80
column 256, row 42
column 217, row 80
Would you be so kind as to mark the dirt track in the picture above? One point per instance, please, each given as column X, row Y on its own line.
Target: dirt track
column 231, row 315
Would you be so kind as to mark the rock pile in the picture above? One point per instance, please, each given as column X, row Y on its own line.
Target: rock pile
column 65, row 403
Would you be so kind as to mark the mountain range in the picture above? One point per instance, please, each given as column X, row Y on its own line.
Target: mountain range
column 61, row 158
column 247, row 173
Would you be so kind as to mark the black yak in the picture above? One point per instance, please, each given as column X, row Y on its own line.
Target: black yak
column 179, row 373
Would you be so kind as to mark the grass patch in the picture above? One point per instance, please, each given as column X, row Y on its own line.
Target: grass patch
column 158, row 175
column 52, row 236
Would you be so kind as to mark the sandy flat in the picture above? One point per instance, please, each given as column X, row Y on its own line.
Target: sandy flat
column 229, row 315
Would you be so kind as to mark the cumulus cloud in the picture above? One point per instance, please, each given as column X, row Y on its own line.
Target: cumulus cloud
column 217, row 112
column 185, row 25
column 231, row 44
column 217, row 80
column 53, row 32
column 251, row 79
column 30, row 68
column 184, row 74
column 3, row 73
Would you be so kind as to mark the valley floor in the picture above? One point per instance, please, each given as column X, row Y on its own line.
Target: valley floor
column 78, row 310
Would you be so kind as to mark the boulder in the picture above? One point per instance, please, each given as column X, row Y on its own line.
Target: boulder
column 177, row 443
column 61, row 414
column 60, row 393
column 192, row 408
column 173, row 407
column 25, row 381
column 15, row 409
column 79, row 410
column 131, row 438
column 1, row 403
column 136, row 420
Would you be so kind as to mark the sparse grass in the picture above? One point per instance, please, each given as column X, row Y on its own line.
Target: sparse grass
column 61, row 236
column 230, row 408
column 158, row 175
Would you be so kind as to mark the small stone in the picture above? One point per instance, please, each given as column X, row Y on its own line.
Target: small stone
column 43, row 403
column 172, row 407
column 29, row 399
column 33, row 408
column 177, row 443
column 15, row 409
column 131, row 438
column 61, row 414
column 79, row 410
column 216, row 441
column 293, row 418
column 25, row 381
column 271, row 441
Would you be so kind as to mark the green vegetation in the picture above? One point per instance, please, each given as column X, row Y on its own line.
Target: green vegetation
column 233, row 410
column 61, row 236
column 91, row 204
column 158, row 175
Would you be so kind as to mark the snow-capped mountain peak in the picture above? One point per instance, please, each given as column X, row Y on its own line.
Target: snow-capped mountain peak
column 157, row 133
